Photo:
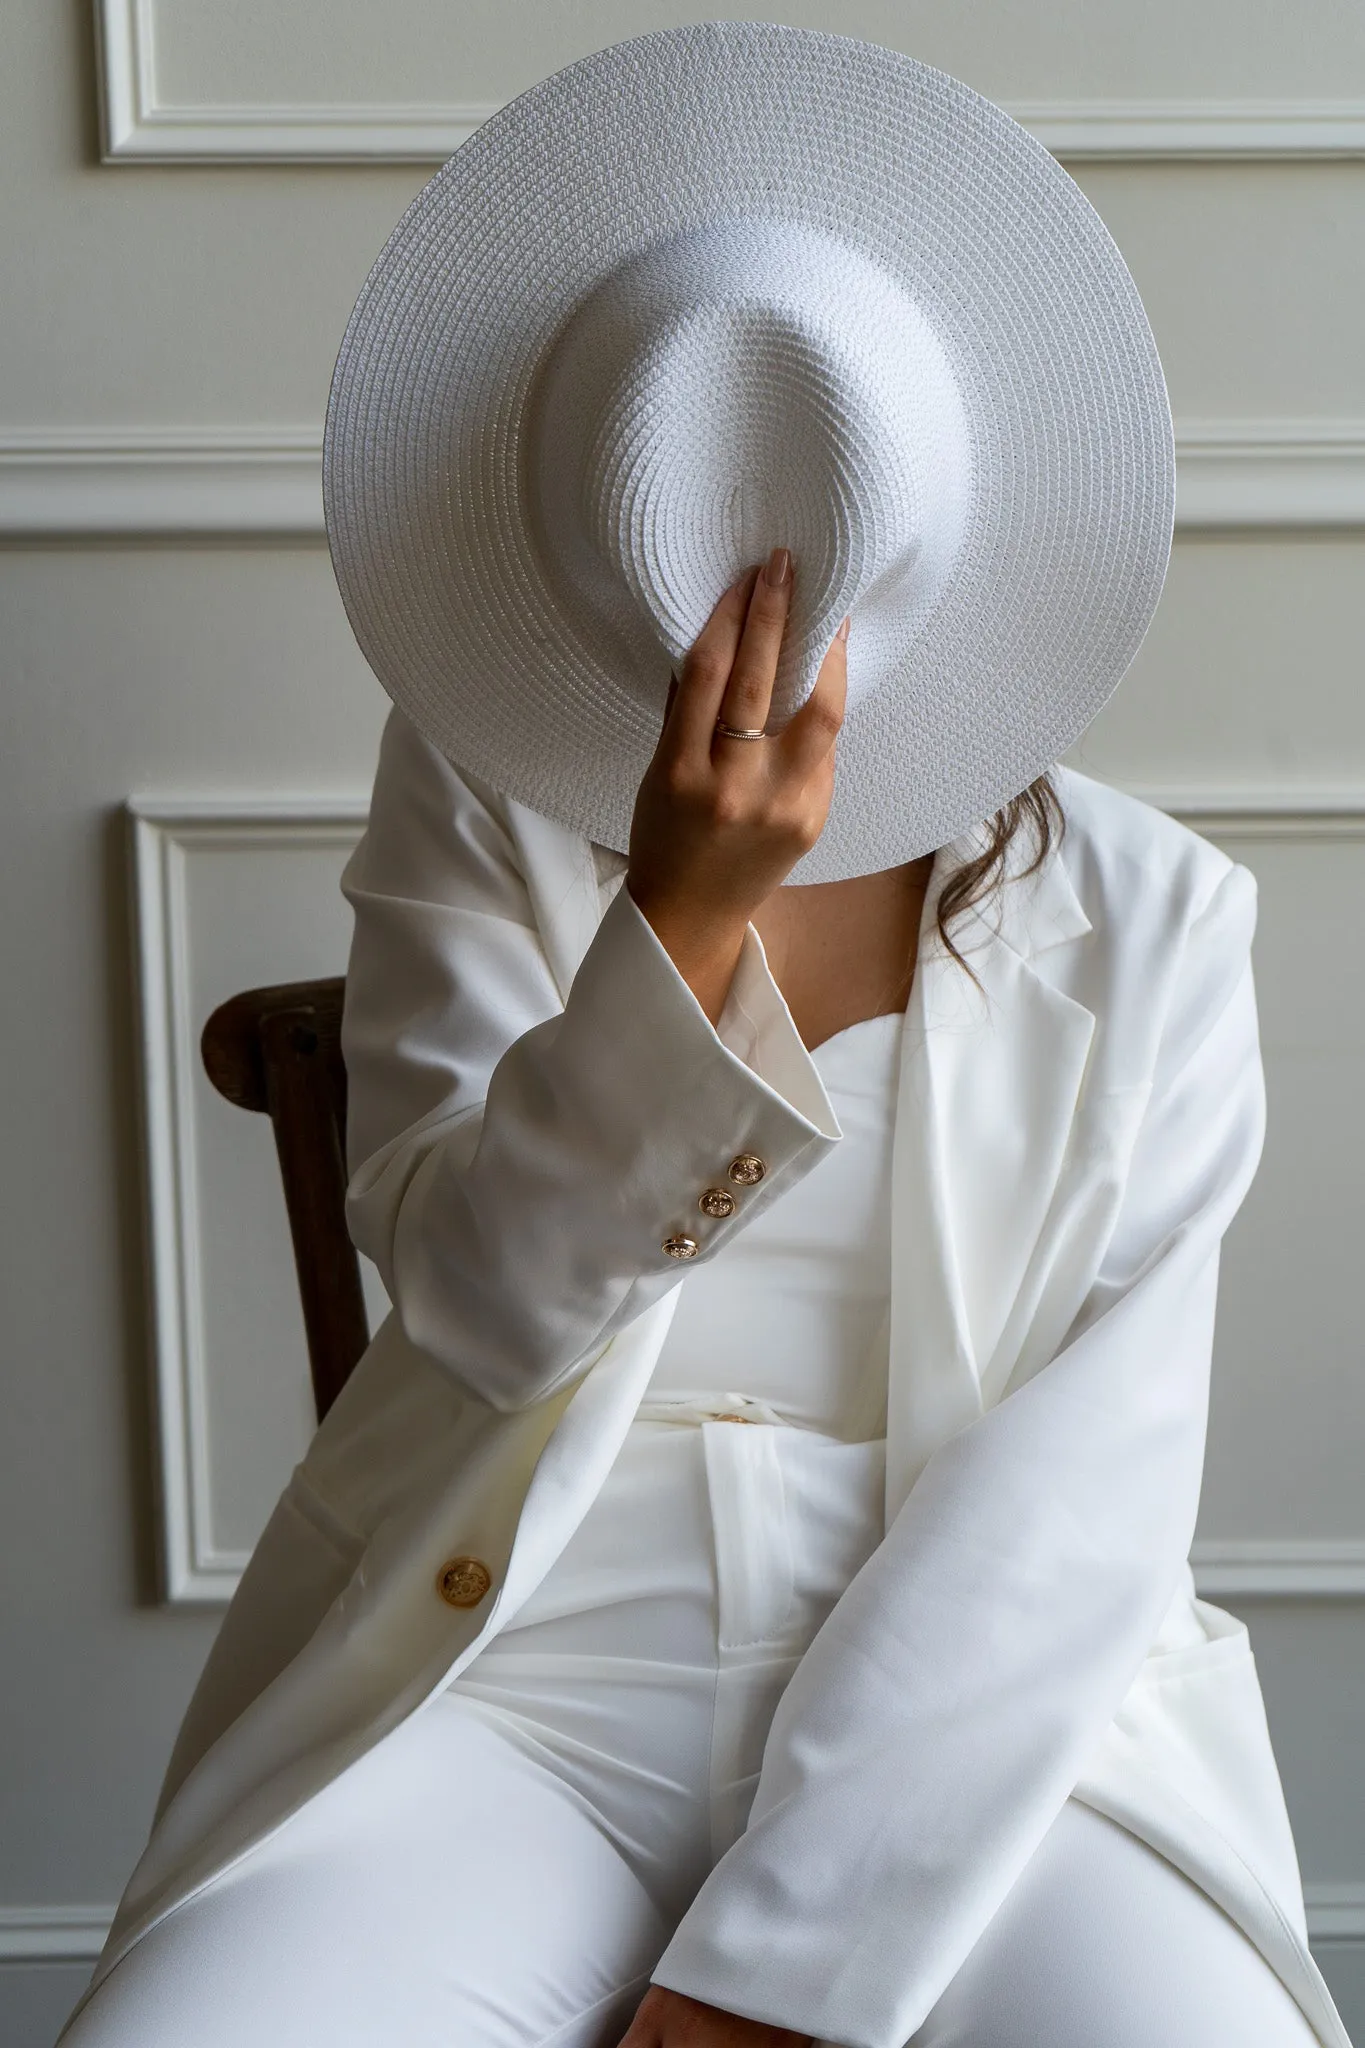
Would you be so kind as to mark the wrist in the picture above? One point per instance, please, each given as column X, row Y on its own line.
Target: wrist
column 704, row 950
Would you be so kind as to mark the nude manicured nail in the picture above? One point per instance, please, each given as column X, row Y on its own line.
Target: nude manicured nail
column 779, row 567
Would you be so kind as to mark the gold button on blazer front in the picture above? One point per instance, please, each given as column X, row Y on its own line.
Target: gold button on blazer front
column 747, row 1169
column 463, row 1581
column 716, row 1202
column 681, row 1247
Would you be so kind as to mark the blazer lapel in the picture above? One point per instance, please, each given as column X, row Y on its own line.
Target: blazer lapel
column 988, row 1090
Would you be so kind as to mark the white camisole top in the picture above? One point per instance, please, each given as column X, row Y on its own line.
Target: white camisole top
column 791, row 1314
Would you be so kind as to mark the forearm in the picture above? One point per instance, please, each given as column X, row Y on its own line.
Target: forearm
column 706, row 955
column 516, row 1242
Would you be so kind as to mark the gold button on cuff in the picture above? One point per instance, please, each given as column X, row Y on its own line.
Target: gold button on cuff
column 716, row 1202
column 734, row 1418
column 463, row 1581
column 746, row 1170
column 681, row 1247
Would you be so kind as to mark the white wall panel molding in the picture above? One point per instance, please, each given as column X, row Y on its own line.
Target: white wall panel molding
column 1260, row 810
column 1081, row 132
column 139, row 129
column 194, row 1568
column 260, row 483
column 139, row 126
column 166, row 832
column 160, row 483
column 1270, row 473
column 1280, row 1569
column 1336, row 1912
column 51, row 1934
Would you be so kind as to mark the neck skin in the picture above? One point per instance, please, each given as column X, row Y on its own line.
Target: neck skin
column 844, row 951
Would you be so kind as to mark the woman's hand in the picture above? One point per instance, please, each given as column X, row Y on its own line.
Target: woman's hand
column 719, row 822
column 668, row 2019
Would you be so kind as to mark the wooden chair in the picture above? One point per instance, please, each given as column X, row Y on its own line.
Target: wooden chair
column 278, row 1050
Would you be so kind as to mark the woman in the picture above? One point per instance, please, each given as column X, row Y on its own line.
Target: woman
column 515, row 1862
column 808, row 1651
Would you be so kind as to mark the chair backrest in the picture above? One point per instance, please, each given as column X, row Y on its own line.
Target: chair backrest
column 278, row 1050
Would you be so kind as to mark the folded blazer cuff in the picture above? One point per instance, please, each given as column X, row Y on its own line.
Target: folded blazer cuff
column 754, row 1025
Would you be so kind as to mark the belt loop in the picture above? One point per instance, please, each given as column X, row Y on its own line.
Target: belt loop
column 754, row 1569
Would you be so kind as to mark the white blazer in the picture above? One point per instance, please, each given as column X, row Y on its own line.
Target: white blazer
column 536, row 1101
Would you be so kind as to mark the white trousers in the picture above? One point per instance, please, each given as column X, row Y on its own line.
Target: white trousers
column 505, row 1868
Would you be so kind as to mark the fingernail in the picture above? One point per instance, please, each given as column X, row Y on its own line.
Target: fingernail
column 842, row 633
column 779, row 567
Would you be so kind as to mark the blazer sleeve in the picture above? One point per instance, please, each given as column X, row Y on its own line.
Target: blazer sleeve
column 516, row 1160
column 944, row 1712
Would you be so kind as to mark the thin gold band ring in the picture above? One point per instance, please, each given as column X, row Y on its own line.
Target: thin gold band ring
column 740, row 732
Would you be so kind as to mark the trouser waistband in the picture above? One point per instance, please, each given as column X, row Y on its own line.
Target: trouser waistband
column 709, row 1407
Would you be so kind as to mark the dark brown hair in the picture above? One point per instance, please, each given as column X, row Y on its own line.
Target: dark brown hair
column 1037, row 809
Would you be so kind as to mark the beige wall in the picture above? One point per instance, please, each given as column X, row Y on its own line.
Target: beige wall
column 172, row 633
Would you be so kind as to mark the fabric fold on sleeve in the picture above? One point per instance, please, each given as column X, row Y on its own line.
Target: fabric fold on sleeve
column 755, row 1025
column 516, row 1165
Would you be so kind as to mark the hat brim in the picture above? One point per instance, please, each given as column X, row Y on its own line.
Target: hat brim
column 1072, row 447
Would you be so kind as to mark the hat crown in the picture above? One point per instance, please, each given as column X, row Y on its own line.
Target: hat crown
column 751, row 383
column 656, row 315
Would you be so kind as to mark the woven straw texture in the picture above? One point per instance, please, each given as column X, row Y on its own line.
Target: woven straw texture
column 717, row 288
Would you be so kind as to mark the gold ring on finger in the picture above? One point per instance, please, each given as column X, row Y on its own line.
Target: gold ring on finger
column 740, row 732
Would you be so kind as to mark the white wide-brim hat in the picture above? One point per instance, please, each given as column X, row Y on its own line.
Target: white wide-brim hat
column 720, row 288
